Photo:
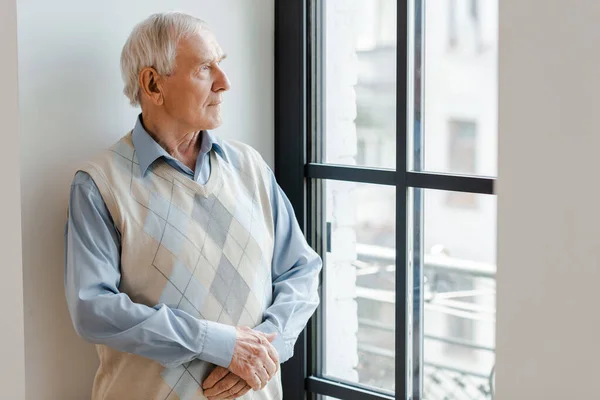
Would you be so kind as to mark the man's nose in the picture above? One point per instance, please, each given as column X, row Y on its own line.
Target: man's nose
column 221, row 82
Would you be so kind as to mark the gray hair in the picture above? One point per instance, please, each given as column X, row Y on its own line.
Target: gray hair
column 153, row 43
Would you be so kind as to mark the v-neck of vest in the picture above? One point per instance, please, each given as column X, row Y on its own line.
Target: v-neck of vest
column 162, row 167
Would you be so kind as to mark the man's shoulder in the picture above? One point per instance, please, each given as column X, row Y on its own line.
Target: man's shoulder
column 120, row 154
column 235, row 145
column 239, row 152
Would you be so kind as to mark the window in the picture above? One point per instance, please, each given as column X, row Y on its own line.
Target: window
column 396, row 198
column 452, row 25
column 464, row 25
column 462, row 146
column 461, row 159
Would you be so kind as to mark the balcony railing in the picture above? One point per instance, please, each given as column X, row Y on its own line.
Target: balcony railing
column 441, row 381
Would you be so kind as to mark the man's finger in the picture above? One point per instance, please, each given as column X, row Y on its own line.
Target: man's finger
column 242, row 392
column 254, row 382
column 273, row 355
column 270, row 336
column 233, row 392
column 215, row 376
column 270, row 367
column 223, row 386
column 264, row 377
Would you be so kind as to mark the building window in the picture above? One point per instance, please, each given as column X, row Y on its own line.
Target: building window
column 452, row 24
column 464, row 25
column 462, row 158
column 360, row 148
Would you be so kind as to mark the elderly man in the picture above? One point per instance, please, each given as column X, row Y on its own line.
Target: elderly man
column 184, row 262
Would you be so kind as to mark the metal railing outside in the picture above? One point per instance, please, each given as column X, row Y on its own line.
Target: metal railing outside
column 440, row 381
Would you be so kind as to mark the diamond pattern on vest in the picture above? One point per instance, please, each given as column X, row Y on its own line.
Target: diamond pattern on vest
column 208, row 248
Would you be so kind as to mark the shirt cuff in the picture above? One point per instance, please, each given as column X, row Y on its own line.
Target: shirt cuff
column 219, row 343
column 279, row 344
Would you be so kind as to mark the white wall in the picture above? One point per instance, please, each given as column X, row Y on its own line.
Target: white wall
column 549, row 201
column 12, row 369
column 71, row 106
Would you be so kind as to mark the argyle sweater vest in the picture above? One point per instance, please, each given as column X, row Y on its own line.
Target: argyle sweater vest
column 204, row 249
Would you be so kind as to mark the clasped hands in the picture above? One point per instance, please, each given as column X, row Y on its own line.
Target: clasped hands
column 255, row 361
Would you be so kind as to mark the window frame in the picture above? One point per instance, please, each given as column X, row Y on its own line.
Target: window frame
column 295, row 106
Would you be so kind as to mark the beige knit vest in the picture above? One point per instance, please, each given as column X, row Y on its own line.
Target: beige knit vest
column 217, row 236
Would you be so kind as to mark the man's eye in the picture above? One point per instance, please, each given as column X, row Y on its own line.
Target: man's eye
column 205, row 68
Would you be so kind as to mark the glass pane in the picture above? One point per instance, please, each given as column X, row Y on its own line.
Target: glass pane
column 358, row 299
column 459, row 87
column 457, row 254
column 357, row 83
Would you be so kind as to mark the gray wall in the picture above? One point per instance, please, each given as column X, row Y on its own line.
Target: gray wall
column 548, row 325
column 12, row 369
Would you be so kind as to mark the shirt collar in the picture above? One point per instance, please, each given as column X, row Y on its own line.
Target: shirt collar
column 148, row 150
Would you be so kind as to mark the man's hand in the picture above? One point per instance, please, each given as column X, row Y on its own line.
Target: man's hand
column 222, row 384
column 255, row 360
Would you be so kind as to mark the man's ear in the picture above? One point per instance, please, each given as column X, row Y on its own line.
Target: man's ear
column 151, row 85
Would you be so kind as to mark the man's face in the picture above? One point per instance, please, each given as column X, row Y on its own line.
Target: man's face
column 193, row 92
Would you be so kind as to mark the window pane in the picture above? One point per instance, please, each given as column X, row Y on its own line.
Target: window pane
column 357, row 85
column 359, row 284
column 459, row 87
column 457, row 254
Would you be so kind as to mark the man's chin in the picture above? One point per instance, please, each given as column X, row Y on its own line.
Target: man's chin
column 215, row 123
column 209, row 125
column 214, row 126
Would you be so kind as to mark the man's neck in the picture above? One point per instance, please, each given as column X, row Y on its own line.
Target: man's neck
column 181, row 143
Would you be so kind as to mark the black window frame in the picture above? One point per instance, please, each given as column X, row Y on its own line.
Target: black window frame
column 294, row 124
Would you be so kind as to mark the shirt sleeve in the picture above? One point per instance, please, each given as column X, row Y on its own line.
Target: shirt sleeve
column 295, row 269
column 101, row 314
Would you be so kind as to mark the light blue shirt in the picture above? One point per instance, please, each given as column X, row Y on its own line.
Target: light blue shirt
column 104, row 315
